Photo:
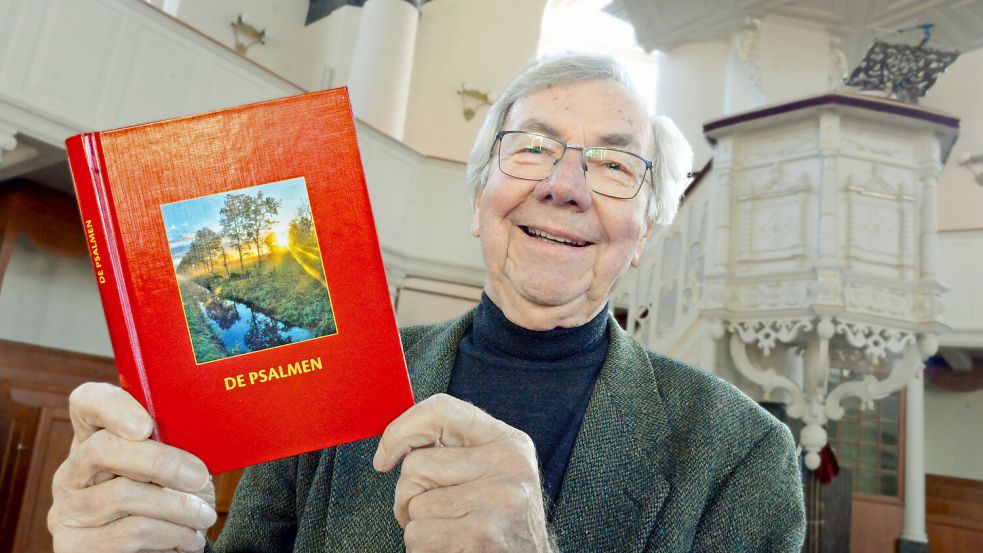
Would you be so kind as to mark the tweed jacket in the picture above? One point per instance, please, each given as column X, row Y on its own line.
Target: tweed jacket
column 668, row 458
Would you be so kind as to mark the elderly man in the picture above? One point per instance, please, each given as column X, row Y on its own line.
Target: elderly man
column 541, row 425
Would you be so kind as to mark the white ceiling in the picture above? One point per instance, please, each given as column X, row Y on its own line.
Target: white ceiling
column 666, row 24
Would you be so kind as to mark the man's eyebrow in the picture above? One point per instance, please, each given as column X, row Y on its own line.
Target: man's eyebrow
column 535, row 125
column 621, row 140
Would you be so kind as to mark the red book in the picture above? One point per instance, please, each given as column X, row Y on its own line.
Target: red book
column 241, row 278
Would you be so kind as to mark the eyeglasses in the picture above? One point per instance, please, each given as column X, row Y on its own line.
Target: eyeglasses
column 608, row 171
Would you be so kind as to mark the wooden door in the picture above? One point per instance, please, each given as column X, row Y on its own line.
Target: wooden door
column 18, row 427
column 54, row 440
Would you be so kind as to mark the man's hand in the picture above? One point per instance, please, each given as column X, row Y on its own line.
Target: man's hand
column 119, row 491
column 469, row 482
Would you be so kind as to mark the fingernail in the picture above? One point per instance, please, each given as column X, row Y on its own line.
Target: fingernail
column 207, row 515
column 192, row 478
column 380, row 456
column 136, row 429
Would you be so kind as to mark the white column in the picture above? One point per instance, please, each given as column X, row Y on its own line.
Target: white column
column 914, row 478
column 382, row 64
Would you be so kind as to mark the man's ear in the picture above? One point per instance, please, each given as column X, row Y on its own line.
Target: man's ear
column 475, row 228
column 640, row 245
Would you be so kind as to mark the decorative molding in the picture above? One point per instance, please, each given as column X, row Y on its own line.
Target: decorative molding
column 749, row 50
column 775, row 294
column 668, row 24
column 870, row 388
column 838, row 67
column 876, row 341
column 812, row 337
column 766, row 334
column 879, row 300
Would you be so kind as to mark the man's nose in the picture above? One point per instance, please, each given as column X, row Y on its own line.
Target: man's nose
column 567, row 185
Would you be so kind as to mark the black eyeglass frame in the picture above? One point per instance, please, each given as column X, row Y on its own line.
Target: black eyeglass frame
column 648, row 163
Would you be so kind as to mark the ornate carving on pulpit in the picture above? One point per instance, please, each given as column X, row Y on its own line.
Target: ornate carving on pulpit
column 830, row 266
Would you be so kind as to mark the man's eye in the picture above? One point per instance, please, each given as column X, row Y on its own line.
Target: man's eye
column 534, row 150
column 615, row 166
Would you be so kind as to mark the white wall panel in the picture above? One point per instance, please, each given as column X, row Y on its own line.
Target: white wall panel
column 232, row 86
column 73, row 65
column 960, row 267
column 163, row 78
column 76, row 48
column 21, row 22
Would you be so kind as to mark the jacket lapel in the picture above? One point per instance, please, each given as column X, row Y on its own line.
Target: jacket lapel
column 613, row 488
column 360, row 504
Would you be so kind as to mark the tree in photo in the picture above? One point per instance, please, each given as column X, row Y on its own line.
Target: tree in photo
column 211, row 243
column 270, row 242
column 193, row 258
column 301, row 228
column 260, row 217
column 235, row 214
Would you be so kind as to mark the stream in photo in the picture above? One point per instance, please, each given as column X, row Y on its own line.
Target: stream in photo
column 242, row 329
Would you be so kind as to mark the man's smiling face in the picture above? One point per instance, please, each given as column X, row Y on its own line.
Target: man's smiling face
column 553, row 248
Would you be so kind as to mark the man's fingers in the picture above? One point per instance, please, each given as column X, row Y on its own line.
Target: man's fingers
column 144, row 461
column 432, row 536
column 439, row 419
column 121, row 497
column 474, row 532
column 426, row 469
column 128, row 534
column 509, row 497
column 451, row 501
column 500, row 463
column 96, row 405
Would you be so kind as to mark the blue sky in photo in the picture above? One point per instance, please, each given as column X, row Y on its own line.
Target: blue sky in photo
column 182, row 219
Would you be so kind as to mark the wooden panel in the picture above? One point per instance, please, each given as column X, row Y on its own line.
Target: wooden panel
column 18, row 427
column 40, row 379
column 7, row 242
column 954, row 514
column 51, row 448
column 875, row 524
column 54, row 368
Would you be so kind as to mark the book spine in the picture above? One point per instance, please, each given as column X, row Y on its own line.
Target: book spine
column 102, row 236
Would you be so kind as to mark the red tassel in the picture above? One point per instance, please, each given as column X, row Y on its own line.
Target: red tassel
column 828, row 467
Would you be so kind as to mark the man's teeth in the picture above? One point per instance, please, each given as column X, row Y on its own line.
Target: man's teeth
column 548, row 236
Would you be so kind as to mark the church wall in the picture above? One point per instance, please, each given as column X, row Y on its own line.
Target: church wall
column 52, row 301
column 302, row 54
column 691, row 91
column 952, row 438
column 958, row 92
column 481, row 43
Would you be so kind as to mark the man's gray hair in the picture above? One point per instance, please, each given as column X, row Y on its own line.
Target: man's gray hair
column 671, row 154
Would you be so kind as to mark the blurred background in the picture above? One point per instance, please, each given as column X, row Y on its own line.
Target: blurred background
column 826, row 259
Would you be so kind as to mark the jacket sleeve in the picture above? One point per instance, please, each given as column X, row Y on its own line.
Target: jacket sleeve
column 263, row 516
column 759, row 507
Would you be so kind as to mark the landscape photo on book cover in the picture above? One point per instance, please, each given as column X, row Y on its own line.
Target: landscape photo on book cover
column 249, row 269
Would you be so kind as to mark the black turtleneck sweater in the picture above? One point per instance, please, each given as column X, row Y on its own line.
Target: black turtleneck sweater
column 537, row 381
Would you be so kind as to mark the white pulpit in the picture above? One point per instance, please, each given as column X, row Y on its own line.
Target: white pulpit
column 803, row 266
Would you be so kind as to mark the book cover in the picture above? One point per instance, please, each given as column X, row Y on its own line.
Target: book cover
column 241, row 277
